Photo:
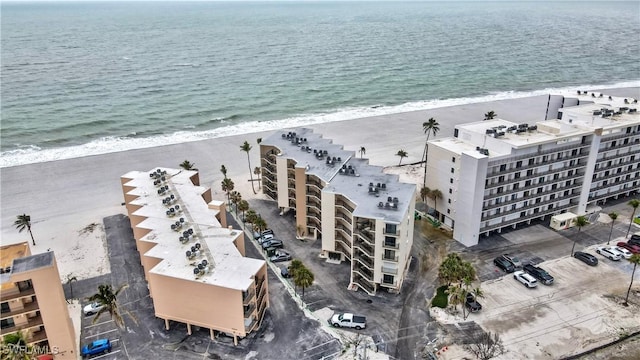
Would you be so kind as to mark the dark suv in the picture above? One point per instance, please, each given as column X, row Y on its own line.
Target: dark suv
column 586, row 258
column 504, row 264
column 472, row 304
column 539, row 274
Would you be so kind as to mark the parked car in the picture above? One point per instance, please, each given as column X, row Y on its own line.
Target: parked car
column 257, row 235
column 274, row 243
column 526, row 279
column 504, row 264
column 280, row 256
column 633, row 248
column 608, row 253
column 96, row 347
column 284, row 271
column 472, row 304
column 92, row 308
column 622, row 251
column 586, row 258
column 635, row 239
column 538, row 273
column 348, row 320
column 517, row 264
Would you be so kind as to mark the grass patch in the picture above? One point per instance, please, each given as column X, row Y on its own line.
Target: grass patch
column 441, row 298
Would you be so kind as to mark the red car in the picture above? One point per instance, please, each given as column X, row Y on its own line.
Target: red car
column 633, row 248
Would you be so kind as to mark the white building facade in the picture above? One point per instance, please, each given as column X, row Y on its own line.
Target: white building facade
column 497, row 174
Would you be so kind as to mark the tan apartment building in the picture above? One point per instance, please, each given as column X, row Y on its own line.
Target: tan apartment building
column 194, row 264
column 33, row 302
column 361, row 214
column 499, row 174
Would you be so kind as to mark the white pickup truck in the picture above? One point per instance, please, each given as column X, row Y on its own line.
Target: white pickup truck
column 348, row 320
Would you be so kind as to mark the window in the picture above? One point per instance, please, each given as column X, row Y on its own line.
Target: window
column 531, row 161
column 526, row 193
column 503, row 167
column 500, row 190
column 566, row 193
column 516, row 186
column 513, row 207
column 517, row 175
column 529, row 172
column 574, row 152
column 453, row 159
column 501, row 178
column 538, row 200
column 527, row 183
column 449, row 201
column 539, row 190
column 448, row 211
column 556, row 176
column 387, row 279
column 450, row 191
column 552, row 196
column 541, row 180
column 390, row 228
column 389, row 241
column 519, row 164
column 452, row 170
column 389, row 254
column 451, row 181
column 545, row 158
column 572, row 162
column 513, row 196
column 6, row 323
column 498, row 211
column 5, row 307
column 570, row 173
column 554, row 186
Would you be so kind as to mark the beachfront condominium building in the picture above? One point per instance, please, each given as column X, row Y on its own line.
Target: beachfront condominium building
column 361, row 214
column 496, row 174
column 194, row 264
column 33, row 304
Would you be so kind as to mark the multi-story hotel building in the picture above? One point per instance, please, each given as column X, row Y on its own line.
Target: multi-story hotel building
column 361, row 214
column 497, row 174
column 33, row 303
column 193, row 263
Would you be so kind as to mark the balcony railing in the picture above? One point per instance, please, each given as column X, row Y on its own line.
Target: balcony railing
column 529, row 206
column 505, row 182
column 250, row 310
column 345, row 230
column 389, row 270
column 28, row 307
column 31, row 323
column 613, row 193
column 364, row 285
column 366, row 273
column 359, row 256
column 579, row 147
column 4, row 296
column 248, row 296
column 390, row 258
column 520, row 220
column 534, row 186
column 346, row 206
column 391, row 245
column 364, row 247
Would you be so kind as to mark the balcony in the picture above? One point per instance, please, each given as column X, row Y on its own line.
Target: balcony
column 364, row 260
column 345, row 206
column 250, row 324
column 344, row 230
column 248, row 296
column 249, row 310
column 578, row 147
column 535, row 186
column 37, row 337
column 28, row 307
column 364, row 284
column 505, row 182
column 28, row 292
column 520, row 220
column 394, row 230
column 314, row 183
column 314, row 193
column 391, row 245
column 364, row 247
column 366, row 273
column 390, row 258
column 31, row 323
column 366, row 235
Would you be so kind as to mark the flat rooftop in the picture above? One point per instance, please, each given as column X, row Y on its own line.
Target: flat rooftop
column 211, row 246
column 345, row 174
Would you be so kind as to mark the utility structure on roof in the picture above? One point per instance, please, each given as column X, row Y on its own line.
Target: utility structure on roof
column 361, row 214
column 194, row 264
column 498, row 174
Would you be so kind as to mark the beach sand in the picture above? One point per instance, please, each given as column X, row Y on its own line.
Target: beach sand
column 67, row 199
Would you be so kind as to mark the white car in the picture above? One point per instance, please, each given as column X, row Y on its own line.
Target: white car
column 609, row 253
column 92, row 308
column 624, row 252
column 526, row 279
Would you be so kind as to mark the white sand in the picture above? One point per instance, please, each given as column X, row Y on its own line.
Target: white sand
column 64, row 197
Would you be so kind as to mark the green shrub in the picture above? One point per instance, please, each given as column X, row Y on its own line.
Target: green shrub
column 441, row 299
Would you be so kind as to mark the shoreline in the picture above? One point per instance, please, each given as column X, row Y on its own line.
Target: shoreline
column 65, row 197
column 105, row 145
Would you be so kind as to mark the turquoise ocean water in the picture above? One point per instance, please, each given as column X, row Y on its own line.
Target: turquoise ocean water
column 81, row 78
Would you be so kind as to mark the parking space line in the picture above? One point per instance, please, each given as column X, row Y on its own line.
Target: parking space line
column 100, row 333
column 98, row 324
column 107, row 354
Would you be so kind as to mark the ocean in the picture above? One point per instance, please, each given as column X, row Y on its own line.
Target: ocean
column 82, row 78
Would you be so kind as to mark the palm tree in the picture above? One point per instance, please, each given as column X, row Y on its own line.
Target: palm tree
column 490, row 115
column 223, row 170
column 634, row 203
column 430, row 126
column 24, row 222
column 363, row 151
column 293, row 269
column 303, row 277
column 251, row 216
column 635, row 260
column 70, row 279
column 187, row 165
column 257, row 172
column 227, row 186
column 434, row 195
column 243, row 206
column 246, row 148
column 235, row 197
column 424, row 193
column 613, row 215
column 109, row 301
column 15, row 347
column 403, row 154
column 457, row 296
column 259, row 224
column 580, row 221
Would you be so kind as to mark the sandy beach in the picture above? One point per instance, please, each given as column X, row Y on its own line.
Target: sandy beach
column 67, row 199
